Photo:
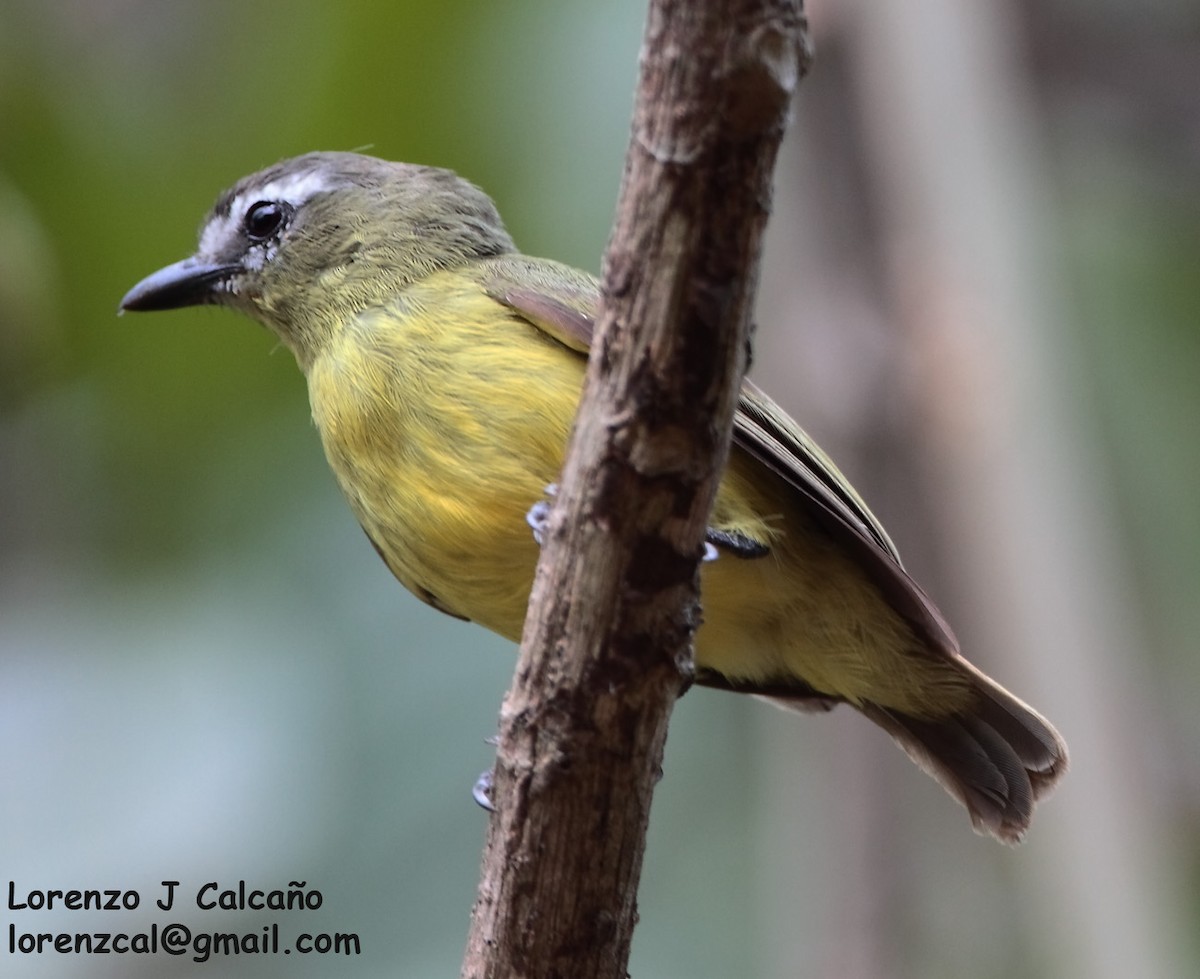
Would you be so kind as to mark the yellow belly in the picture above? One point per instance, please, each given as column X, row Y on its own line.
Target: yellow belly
column 443, row 430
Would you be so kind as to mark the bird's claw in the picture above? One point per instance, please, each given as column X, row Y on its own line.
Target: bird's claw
column 539, row 515
column 481, row 791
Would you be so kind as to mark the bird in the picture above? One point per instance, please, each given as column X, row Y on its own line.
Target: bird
column 444, row 368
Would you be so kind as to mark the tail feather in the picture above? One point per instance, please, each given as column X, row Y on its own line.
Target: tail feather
column 997, row 757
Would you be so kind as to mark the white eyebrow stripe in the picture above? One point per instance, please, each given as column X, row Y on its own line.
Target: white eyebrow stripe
column 296, row 189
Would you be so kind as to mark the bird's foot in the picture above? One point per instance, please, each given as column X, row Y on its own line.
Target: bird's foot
column 481, row 791
column 539, row 515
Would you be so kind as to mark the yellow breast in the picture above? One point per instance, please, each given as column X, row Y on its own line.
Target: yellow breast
column 444, row 418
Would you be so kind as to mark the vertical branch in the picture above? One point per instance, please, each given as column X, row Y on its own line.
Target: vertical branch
column 607, row 640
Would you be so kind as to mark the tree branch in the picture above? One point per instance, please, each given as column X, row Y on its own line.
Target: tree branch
column 607, row 644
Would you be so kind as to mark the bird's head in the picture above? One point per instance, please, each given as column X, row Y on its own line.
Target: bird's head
column 305, row 244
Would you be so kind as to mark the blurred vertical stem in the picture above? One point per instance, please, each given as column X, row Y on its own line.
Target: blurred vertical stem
column 607, row 645
column 973, row 283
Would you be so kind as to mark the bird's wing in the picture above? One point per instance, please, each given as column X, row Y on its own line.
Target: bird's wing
column 557, row 299
column 770, row 435
column 763, row 430
column 561, row 301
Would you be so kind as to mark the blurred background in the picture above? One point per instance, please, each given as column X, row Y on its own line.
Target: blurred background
column 981, row 293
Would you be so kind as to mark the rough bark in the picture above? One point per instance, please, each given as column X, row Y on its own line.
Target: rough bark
column 607, row 644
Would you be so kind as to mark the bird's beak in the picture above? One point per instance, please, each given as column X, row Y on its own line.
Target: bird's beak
column 187, row 283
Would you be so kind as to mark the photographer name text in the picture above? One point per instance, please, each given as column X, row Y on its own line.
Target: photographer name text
column 210, row 897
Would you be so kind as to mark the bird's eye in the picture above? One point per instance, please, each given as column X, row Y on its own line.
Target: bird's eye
column 264, row 219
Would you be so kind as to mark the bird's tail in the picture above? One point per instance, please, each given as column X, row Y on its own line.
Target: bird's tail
column 997, row 755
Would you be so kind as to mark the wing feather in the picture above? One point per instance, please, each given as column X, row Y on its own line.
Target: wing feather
column 561, row 301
